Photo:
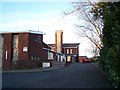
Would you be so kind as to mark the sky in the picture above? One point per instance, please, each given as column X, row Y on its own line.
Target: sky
column 42, row 16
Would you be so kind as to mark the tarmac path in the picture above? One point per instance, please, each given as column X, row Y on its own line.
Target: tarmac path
column 76, row 75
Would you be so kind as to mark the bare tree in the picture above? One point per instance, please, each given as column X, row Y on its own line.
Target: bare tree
column 87, row 25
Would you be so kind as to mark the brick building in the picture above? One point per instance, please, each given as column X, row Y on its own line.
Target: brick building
column 56, row 48
column 26, row 46
column 29, row 46
column 70, row 50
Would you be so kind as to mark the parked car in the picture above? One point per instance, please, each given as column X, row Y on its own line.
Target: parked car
column 86, row 60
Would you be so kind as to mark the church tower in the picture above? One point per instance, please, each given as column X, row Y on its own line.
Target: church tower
column 58, row 40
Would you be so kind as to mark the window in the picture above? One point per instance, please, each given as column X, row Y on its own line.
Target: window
column 68, row 58
column 6, row 55
column 35, row 58
column 38, row 59
column 31, row 57
column 70, row 51
column 67, row 51
column 15, row 41
column 50, row 55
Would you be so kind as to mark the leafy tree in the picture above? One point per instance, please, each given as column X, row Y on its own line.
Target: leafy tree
column 110, row 53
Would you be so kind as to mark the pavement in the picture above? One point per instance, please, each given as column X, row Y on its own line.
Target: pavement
column 76, row 75
column 45, row 69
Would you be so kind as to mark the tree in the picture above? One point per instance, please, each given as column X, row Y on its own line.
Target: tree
column 87, row 25
column 110, row 53
column 103, row 29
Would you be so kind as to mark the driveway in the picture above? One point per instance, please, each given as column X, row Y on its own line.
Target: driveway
column 76, row 75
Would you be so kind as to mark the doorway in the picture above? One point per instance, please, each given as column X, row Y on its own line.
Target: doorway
column 68, row 58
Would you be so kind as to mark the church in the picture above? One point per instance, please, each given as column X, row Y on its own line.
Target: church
column 29, row 47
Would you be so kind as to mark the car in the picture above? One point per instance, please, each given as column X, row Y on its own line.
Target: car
column 86, row 60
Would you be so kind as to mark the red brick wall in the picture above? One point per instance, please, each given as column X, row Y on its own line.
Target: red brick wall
column 7, row 63
column 73, row 50
column 34, row 43
column 36, row 47
column 23, row 42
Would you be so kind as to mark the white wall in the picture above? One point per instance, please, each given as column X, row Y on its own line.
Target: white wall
column 45, row 64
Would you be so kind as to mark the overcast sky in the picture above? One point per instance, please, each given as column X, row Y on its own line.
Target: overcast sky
column 42, row 16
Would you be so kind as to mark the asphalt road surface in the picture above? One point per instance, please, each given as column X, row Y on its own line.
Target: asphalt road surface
column 76, row 75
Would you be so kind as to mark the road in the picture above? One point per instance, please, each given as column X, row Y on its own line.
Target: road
column 76, row 75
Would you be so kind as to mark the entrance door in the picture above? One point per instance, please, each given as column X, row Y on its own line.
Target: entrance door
column 68, row 58
column 15, row 48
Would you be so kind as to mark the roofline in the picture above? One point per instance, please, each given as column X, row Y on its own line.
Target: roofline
column 69, row 47
column 27, row 31
column 49, row 46
column 48, row 50
column 78, row 45
column 71, row 43
column 67, row 43
column 64, row 47
column 52, row 51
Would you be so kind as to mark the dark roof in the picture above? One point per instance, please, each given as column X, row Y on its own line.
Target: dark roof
column 46, row 44
column 66, row 45
column 71, row 45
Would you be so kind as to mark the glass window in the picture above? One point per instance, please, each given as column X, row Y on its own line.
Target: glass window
column 35, row 58
column 70, row 51
column 38, row 59
column 68, row 58
column 67, row 51
column 15, row 41
column 31, row 57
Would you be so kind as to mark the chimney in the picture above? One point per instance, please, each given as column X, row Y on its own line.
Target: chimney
column 58, row 40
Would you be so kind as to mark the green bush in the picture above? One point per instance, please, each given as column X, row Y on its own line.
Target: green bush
column 109, row 59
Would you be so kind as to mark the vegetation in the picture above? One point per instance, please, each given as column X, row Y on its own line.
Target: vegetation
column 87, row 26
column 110, row 54
column 107, row 15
